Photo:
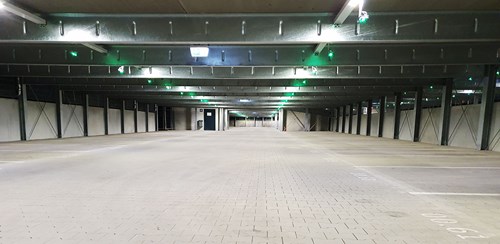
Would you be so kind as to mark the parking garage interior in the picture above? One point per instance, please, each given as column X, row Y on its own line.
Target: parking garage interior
column 346, row 121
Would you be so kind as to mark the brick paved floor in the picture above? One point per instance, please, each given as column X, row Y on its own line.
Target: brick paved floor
column 246, row 186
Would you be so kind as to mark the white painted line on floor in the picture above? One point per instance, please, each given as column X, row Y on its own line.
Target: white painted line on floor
column 10, row 162
column 427, row 167
column 456, row 194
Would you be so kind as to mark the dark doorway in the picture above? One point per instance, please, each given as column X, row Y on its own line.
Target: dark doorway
column 209, row 119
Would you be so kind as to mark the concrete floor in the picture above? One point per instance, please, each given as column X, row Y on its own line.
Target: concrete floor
column 249, row 185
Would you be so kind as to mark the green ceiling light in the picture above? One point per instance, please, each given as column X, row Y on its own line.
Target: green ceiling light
column 330, row 55
column 121, row 69
column 363, row 17
column 454, row 96
column 73, row 53
column 182, row 93
column 432, row 87
column 150, row 81
column 304, row 82
column 470, row 78
column 498, row 72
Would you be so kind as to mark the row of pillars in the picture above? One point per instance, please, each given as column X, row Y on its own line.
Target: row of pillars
column 23, row 100
column 485, row 119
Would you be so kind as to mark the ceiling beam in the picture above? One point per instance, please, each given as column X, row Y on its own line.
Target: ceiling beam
column 232, row 82
column 254, row 29
column 241, row 72
column 298, row 55
column 13, row 9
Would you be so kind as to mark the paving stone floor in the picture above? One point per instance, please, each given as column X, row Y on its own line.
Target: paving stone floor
column 246, row 186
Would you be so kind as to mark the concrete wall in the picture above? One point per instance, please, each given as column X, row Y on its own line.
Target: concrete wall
column 96, row 121
column 182, row 118
column 141, row 121
column 495, row 130
column 151, row 121
column 293, row 122
column 115, row 124
column 41, row 120
column 9, row 120
column 464, row 123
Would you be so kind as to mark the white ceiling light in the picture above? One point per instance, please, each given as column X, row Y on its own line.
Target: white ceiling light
column 199, row 51
column 244, row 100
column 22, row 13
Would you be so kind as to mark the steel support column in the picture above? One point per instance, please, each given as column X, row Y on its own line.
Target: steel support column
column 446, row 103
column 360, row 116
column 23, row 102
column 146, row 118
column 156, row 117
column 381, row 118
column 136, row 112
column 59, row 103
column 369, row 117
column 106, row 116
column 337, row 119
column 487, row 105
column 86, row 115
column 122, row 117
column 307, row 121
column 351, row 113
column 418, row 114
column 172, row 119
column 344, row 113
column 165, row 124
column 397, row 114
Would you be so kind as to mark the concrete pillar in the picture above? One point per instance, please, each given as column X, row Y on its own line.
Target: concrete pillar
column 146, row 118
column 397, row 114
column 418, row 113
column 122, row 117
column 156, row 117
column 59, row 122
column 337, row 119
column 106, row 116
column 351, row 113
column 23, row 115
column 360, row 117
column 344, row 114
column 381, row 116
column 136, row 119
column 307, row 122
column 446, row 103
column 86, row 115
column 369, row 117
column 487, row 105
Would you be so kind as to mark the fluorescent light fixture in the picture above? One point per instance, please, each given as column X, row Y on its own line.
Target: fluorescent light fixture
column 96, row 47
column 465, row 91
column 199, row 51
column 22, row 13
column 244, row 100
column 347, row 10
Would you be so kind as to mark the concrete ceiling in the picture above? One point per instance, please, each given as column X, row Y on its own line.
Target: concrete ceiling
column 248, row 6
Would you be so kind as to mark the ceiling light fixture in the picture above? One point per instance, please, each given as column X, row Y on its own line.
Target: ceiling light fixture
column 9, row 7
column 244, row 100
column 199, row 51
column 346, row 10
